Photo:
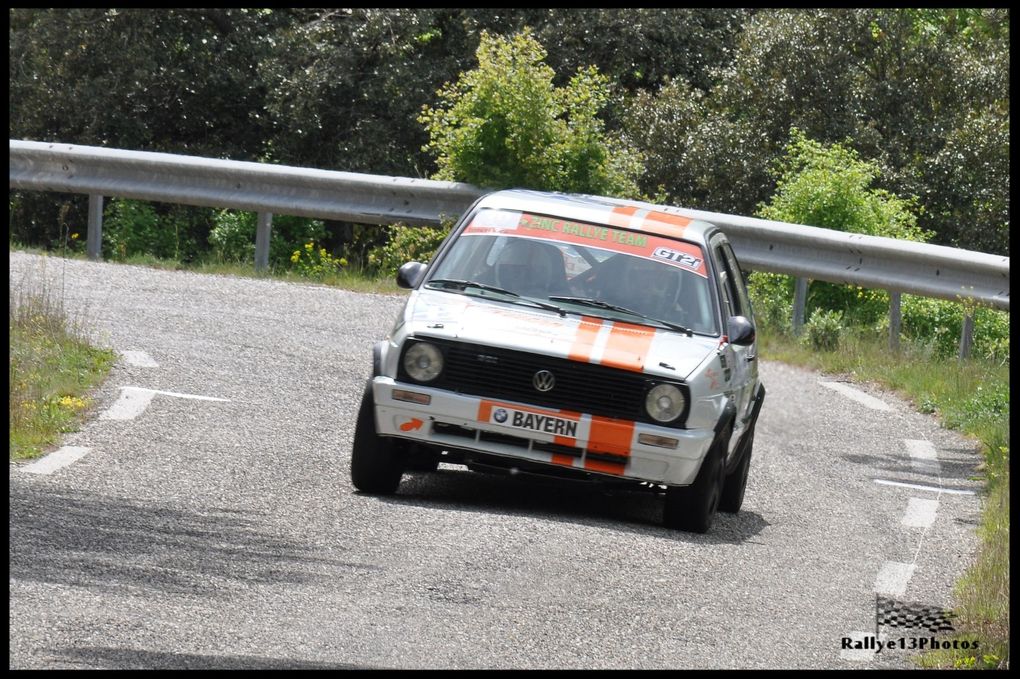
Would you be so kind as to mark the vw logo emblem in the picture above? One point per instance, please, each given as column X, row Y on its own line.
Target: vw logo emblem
column 543, row 380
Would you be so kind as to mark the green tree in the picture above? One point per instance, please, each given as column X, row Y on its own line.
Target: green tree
column 833, row 188
column 505, row 124
column 924, row 93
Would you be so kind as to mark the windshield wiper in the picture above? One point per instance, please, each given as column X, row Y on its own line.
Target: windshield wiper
column 464, row 284
column 598, row 303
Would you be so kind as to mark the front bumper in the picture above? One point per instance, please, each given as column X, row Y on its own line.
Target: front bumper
column 579, row 441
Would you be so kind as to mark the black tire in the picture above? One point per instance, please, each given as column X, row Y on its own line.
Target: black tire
column 377, row 462
column 692, row 508
column 736, row 482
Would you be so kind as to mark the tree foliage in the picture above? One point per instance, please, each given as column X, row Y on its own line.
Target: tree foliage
column 707, row 95
column 505, row 124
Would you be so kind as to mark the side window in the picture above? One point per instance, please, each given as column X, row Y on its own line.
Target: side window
column 736, row 277
column 731, row 282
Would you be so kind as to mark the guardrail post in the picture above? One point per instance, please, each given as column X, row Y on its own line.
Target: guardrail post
column 967, row 336
column 894, row 321
column 799, row 302
column 94, row 238
column 262, row 233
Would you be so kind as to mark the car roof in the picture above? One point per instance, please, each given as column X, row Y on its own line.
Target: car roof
column 635, row 215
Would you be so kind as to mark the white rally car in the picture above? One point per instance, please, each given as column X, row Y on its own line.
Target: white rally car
column 576, row 336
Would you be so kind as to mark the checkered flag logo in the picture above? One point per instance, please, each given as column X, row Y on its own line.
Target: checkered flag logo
column 892, row 613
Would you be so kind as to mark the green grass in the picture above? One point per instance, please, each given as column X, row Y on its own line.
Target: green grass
column 971, row 396
column 53, row 369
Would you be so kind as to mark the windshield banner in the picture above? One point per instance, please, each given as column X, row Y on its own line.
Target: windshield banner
column 666, row 250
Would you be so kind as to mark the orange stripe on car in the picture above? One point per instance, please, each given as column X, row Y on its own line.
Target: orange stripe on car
column 604, row 467
column 665, row 224
column 621, row 216
column 610, row 436
column 587, row 331
column 565, row 460
column 627, row 346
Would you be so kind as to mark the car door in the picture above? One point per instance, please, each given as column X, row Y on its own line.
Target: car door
column 743, row 359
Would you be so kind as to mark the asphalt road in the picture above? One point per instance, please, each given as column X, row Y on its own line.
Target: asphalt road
column 226, row 534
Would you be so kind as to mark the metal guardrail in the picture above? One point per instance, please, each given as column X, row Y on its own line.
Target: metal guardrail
column 803, row 251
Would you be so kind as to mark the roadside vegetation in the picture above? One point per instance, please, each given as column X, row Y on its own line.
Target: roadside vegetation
column 888, row 122
column 53, row 369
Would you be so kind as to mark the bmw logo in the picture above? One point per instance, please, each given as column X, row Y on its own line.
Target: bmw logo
column 499, row 415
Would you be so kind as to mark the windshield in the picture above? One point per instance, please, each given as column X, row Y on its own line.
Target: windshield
column 582, row 268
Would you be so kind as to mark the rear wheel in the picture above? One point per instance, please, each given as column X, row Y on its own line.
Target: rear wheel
column 692, row 508
column 377, row 462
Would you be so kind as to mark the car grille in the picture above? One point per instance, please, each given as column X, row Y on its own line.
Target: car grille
column 490, row 372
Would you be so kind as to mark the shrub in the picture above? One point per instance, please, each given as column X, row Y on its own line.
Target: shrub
column 233, row 236
column 830, row 187
column 935, row 325
column 822, row 331
column 406, row 244
column 505, row 124
column 316, row 262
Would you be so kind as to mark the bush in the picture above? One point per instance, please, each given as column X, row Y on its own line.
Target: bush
column 406, row 244
column 823, row 330
column 233, row 236
column 830, row 187
column 174, row 232
column 316, row 262
column 935, row 326
column 505, row 124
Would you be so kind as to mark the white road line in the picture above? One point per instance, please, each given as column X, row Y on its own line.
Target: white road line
column 857, row 395
column 918, row 486
column 920, row 513
column 923, row 456
column 55, row 460
column 893, row 577
column 134, row 400
column 139, row 359
column 861, row 655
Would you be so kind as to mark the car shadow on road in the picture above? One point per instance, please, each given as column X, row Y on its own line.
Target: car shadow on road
column 79, row 538
column 100, row 657
column 635, row 511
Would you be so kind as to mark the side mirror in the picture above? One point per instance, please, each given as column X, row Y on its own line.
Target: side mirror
column 740, row 330
column 410, row 274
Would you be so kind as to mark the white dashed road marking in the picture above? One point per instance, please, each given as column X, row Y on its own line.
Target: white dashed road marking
column 139, row 359
column 55, row 460
column 893, row 577
column 920, row 513
column 134, row 400
column 857, row 395
column 923, row 456
column 858, row 655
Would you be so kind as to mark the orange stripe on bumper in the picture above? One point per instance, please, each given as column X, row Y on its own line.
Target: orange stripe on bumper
column 610, row 436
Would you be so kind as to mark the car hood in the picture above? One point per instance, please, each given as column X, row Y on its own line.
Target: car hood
column 587, row 338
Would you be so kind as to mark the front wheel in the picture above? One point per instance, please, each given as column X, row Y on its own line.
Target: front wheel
column 377, row 462
column 692, row 508
column 736, row 482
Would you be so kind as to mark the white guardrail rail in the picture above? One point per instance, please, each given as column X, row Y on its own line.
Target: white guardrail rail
column 806, row 252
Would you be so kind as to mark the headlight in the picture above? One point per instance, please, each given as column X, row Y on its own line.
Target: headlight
column 423, row 362
column 664, row 403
